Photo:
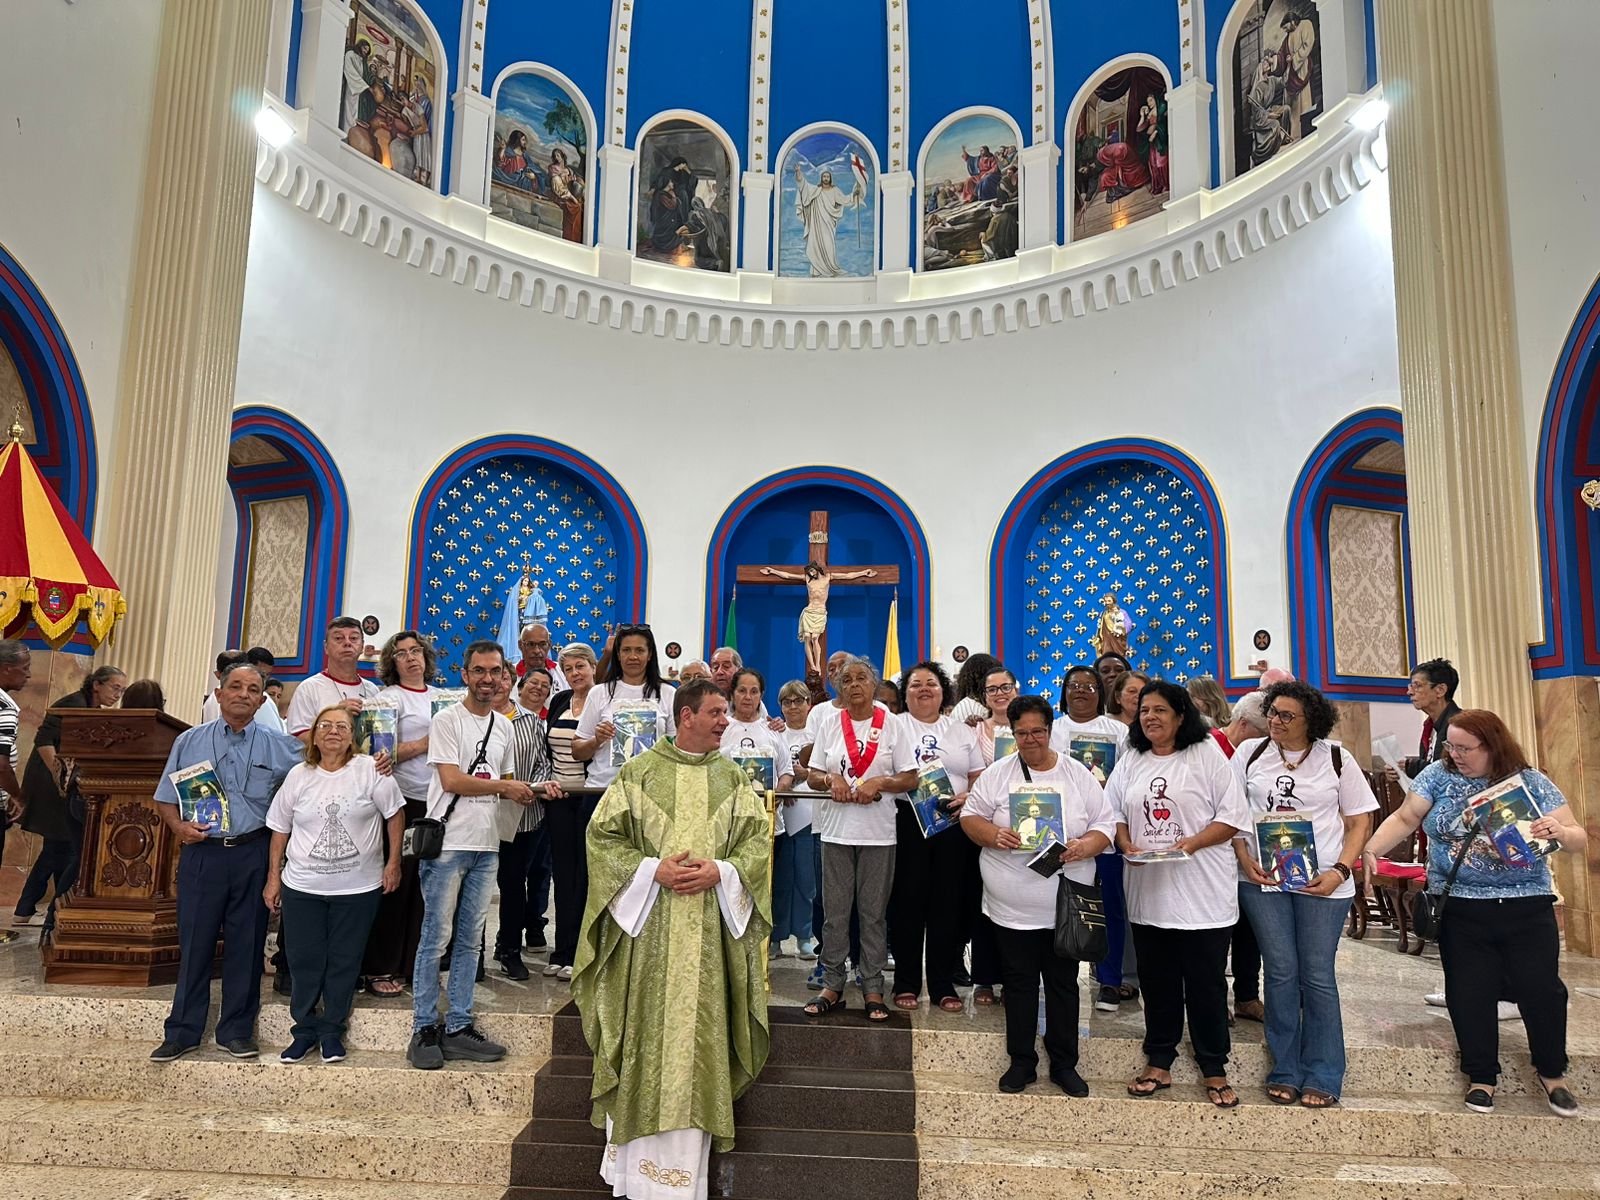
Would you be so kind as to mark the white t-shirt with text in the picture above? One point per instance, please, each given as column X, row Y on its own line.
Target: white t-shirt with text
column 859, row 824
column 797, row 817
column 950, row 742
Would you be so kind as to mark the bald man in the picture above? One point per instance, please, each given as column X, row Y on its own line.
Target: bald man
column 534, row 642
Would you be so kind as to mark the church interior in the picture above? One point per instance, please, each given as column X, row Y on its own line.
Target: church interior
column 409, row 310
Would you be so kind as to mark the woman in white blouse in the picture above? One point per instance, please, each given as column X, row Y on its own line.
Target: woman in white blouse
column 748, row 736
column 1021, row 903
column 325, row 873
column 1174, row 791
column 1295, row 772
column 628, row 711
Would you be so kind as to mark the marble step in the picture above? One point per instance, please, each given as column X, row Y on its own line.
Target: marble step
column 783, row 1097
column 1373, row 1070
column 1182, row 1118
column 968, row 1168
column 369, row 1080
column 76, row 1183
column 374, row 1025
column 374, row 1144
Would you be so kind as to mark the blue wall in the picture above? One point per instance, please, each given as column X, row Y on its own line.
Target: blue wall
column 691, row 58
column 977, row 55
column 829, row 63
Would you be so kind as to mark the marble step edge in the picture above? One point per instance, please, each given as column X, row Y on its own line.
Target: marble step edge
column 400, row 1147
column 1437, row 1126
column 965, row 1168
column 25, row 1182
column 1399, row 1070
column 104, row 1069
column 374, row 1024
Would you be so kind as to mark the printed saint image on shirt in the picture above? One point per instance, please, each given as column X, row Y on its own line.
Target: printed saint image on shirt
column 1161, row 824
column 1283, row 797
column 334, row 846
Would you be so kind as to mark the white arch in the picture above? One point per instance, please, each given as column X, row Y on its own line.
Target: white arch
column 777, row 191
column 972, row 110
column 734, row 178
column 1121, row 63
column 585, row 112
column 441, row 93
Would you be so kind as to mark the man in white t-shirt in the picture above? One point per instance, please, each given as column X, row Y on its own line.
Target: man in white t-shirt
column 338, row 682
column 470, row 749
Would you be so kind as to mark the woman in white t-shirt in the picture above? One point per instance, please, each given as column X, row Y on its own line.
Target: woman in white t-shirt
column 1298, row 907
column 1082, row 721
column 936, row 887
column 747, row 736
column 405, row 664
column 797, row 856
column 860, row 760
column 325, row 873
column 1174, row 790
column 628, row 711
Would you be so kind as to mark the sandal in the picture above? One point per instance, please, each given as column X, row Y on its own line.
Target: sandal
column 821, row 1006
column 877, row 1010
column 1317, row 1098
column 952, row 1004
column 1140, row 1092
column 984, row 995
column 1215, row 1093
column 905, row 1000
column 1282, row 1093
column 385, row 985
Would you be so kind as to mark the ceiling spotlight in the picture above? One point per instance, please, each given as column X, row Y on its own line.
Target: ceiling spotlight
column 274, row 130
column 1370, row 115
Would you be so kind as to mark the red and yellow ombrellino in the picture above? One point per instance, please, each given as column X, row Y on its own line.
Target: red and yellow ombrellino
column 48, row 570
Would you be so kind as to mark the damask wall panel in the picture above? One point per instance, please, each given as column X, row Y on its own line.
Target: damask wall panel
column 275, row 591
column 1366, row 554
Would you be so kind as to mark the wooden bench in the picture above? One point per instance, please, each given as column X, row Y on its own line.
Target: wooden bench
column 1397, row 877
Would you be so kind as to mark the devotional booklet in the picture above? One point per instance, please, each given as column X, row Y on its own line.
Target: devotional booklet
column 1507, row 813
column 1095, row 751
column 930, row 799
column 757, row 767
column 1158, row 856
column 635, row 724
column 1005, row 742
column 1286, row 846
column 1048, row 861
column 377, row 727
column 201, row 797
column 444, row 699
column 1036, row 815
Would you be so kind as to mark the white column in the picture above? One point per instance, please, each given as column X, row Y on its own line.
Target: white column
column 896, row 237
column 319, row 77
column 758, row 187
column 616, row 207
column 1344, row 52
column 278, row 29
column 469, row 156
column 1041, row 168
column 1189, row 137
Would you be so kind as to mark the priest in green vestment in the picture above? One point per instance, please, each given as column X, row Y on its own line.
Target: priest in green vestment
column 670, row 970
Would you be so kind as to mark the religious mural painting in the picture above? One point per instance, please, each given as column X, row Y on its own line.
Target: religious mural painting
column 970, row 194
column 1129, row 537
column 826, row 226
column 685, row 197
column 1277, row 79
column 483, row 523
column 1119, row 152
column 390, row 90
column 539, row 168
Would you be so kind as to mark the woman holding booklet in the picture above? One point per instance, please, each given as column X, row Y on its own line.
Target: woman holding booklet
column 1041, row 786
column 1492, row 820
column 1178, row 807
column 1309, row 804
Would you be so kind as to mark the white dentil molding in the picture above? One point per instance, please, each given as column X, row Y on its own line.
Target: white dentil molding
column 429, row 232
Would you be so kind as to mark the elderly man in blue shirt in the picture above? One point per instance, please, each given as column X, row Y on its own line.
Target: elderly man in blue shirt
column 220, row 876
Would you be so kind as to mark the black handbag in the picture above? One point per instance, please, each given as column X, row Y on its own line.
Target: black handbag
column 424, row 837
column 1080, row 921
column 1427, row 908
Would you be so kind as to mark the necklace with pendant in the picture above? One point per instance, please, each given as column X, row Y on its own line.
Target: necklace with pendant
column 1294, row 766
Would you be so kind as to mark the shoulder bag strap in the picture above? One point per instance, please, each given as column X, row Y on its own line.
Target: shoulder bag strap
column 481, row 757
column 1461, row 857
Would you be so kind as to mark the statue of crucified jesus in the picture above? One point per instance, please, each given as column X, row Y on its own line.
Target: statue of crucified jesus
column 814, row 616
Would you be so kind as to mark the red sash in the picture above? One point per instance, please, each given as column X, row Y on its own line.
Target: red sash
column 860, row 762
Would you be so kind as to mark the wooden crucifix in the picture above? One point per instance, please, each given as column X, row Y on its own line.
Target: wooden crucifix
column 818, row 577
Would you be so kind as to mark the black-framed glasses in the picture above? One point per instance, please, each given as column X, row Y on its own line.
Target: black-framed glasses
column 1082, row 687
column 1284, row 718
column 999, row 689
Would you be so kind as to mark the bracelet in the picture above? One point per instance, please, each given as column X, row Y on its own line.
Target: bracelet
column 1341, row 868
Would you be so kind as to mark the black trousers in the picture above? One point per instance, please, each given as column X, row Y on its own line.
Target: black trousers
column 330, row 933
column 537, row 911
column 1026, row 957
column 219, row 895
column 1504, row 948
column 1185, row 970
column 1246, row 961
column 392, row 944
column 57, row 863
column 516, row 857
column 936, row 894
column 567, row 821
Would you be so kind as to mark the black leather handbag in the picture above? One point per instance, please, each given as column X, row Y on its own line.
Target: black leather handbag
column 1427, row 908
column 424, row 837
column 1080, row 921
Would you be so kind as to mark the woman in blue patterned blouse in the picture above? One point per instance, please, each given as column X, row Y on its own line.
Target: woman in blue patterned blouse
column 1499, row 928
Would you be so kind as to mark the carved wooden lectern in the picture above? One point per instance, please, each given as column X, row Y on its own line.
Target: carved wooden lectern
column 119, row 923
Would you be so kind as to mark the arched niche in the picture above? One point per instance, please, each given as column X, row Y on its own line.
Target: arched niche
column 709, row 171
column 1118, row 169
column 550, row 115
column 850, row 158
column 293, row 519
column 1286, row 35
column 769, row 524
column 1349, row 554
column 1132, row 517
column 498, row 498
column 958, row 194
column 394, row 109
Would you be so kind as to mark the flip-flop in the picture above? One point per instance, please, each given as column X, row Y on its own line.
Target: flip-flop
column 386, row 985
column 1282, row 1093
column 1214, row 1093
column 952, row 1004
column 1156, row 1085
column 984, row 995
column 1317, row 1098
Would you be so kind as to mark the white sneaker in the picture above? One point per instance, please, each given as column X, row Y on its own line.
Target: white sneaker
column 551, row 969
column 1434, row 999
column 806, row 949
column 1508, row 1011
column 21, row 922
column 564, row 973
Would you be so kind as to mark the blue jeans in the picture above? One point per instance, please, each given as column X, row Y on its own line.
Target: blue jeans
column 456, row 888
column 794, row 885
column 1119, row 963
column 1299, row 936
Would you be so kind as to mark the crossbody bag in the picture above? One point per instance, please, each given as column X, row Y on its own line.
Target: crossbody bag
column 1080, row 930
column 424, row 838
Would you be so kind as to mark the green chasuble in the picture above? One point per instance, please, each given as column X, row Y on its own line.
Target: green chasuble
column 677, row 1016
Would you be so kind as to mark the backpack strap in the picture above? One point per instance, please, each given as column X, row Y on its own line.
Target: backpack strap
column 1338, row 760
column 1257, row 753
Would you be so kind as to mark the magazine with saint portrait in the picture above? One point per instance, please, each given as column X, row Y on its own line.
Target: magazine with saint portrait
column 445, row 699
column 756, row 764
column 1507, row 813
column 1286, row 847
column 377, row 727
column 1096, row 752
column 201, row 797
column 1005, row 742
column 930, row 800
column 1036, row 816
column 635, row 725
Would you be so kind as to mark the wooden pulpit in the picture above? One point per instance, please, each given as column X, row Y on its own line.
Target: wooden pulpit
column 119, row 923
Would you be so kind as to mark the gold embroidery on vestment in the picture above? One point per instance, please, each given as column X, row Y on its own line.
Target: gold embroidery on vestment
column 675, row 1177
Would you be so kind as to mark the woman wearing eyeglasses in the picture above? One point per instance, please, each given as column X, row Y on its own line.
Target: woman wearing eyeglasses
column 628, row 711
column 1498, row 930
column 994, row 741
column 1295, row 772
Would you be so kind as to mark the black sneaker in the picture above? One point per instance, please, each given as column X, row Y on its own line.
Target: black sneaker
column 424, row 1052
column 1109, row 999
column 1480, row 1100
column 170, row 1050
column 296, row 1050
column 1070, row 1082
column 1018, row 1076
column 512, row 966
column 536, row 939
column 467, row 1043
column 333, row 1049
column 241, row 1047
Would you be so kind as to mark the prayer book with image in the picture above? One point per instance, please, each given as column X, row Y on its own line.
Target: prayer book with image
column 201, row 797
column 1506, row 813
column 635, row 725
column 931, row 797
column 376, row 727
column 758, row 768
column 1172, row 854
column 1286, row 847
column 1036, row 815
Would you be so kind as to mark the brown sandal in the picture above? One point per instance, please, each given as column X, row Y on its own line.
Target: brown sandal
column 984, row 995
column 952, row 1004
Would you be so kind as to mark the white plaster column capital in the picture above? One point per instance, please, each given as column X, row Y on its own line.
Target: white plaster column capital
column 1189, row 137
column 616, row 193
column 473, row 114
column 895, row 189
column 319, row 71
column 1038, row 179
column 758, row 189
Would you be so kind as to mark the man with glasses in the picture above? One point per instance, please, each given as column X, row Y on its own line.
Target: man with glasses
column 534, row 643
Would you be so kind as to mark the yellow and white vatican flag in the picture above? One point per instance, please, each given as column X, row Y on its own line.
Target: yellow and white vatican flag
column 891, row 643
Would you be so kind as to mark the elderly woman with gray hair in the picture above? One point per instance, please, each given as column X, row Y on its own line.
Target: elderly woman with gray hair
column 859, row 762
column 568, row 818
